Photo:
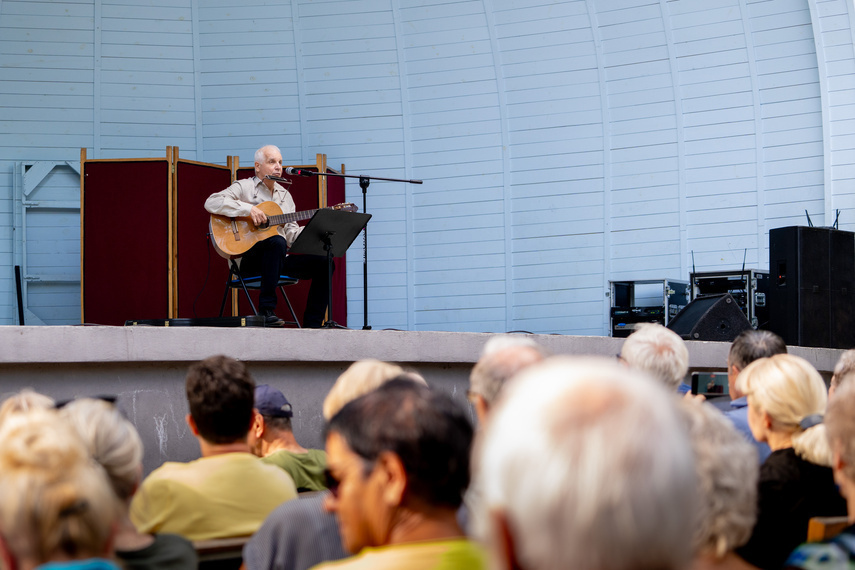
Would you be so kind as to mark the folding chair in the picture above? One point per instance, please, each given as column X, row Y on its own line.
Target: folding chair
column 238, row 280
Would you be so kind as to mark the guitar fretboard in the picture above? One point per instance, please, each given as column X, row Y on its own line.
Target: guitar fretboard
column 292, row 217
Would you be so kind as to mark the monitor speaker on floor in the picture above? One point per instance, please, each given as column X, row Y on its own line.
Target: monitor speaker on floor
column 710, row 317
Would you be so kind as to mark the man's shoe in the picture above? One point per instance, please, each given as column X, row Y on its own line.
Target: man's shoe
column 270, row 318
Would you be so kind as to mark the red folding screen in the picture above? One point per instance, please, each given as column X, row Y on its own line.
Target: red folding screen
column 201, row 272
column 125, row 213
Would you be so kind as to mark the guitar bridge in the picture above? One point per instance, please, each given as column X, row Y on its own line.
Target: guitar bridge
column 235, row 231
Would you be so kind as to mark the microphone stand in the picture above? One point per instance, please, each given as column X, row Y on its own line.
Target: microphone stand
column 364, row 182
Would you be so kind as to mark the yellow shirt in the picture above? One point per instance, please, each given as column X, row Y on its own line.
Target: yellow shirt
column 213, row 497
column 454, row 554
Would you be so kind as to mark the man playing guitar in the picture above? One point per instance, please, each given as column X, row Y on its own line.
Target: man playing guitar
column 268, row 258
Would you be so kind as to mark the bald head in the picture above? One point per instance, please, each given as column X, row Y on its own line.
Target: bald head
column 495, row 368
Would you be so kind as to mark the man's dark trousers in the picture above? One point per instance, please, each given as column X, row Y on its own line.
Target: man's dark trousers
column 268, row 259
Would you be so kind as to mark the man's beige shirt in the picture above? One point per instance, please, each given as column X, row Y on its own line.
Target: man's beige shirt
column 239, row 198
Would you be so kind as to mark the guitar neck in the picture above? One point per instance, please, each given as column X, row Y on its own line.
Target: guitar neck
column 281, row 219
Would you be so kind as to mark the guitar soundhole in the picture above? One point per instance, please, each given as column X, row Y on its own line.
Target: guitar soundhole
column 264, row 225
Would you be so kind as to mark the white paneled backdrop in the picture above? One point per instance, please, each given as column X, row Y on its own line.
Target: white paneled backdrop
column 562, row 143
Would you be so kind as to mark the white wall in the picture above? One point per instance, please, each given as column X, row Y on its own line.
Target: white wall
column 562, row 144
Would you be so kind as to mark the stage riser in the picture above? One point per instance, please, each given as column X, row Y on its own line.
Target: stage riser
column 145, row 366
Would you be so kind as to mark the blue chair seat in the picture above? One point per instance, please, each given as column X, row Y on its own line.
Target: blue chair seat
column 238, row 281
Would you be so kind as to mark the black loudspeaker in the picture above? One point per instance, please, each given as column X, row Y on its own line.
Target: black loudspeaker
column 710, row 317
column 811, row 295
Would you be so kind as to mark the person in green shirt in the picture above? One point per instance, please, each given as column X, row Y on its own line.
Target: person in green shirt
column 272, row 439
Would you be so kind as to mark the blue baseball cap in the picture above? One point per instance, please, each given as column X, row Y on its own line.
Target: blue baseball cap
column 271, row 402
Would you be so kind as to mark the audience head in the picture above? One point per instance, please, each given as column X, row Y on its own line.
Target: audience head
column 659, row 352
column 499, row 342
column 274, row 407
column 399, row 450
column 23, row 402
column 727, row 471
column 273, row 413
column 840, row 429
column 844, row 371
column 360, row 378
column 111, row 440
column 749, row 346
column 494, row 369
column 786, row 398
column 585, row 464
column 55, row 503
column 265, row 151
column 220, row 397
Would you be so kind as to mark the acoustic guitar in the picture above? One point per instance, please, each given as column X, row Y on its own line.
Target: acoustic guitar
column 232, row 237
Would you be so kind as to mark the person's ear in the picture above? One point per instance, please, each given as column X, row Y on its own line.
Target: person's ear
column 192, row 423
column 482, row 408
column 257, row 424
column 394, row 478
column 838, row 462
column 137, row 480
column 767, row 420
column 504, row 548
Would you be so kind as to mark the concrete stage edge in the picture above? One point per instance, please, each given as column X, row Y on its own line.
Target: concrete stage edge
column 145, row 366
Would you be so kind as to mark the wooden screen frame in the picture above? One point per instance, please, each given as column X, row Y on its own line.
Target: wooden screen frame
column 169, row 214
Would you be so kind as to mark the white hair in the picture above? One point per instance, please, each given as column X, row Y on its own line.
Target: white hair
column 789, row 389
column 494, row 369
column 55, row 503
column 260, row 153
column 658, row 351
column 727, row 472
column 111, row 440
column 589, row 463
column 844, row 370
column 499, row 342
column 840, row 426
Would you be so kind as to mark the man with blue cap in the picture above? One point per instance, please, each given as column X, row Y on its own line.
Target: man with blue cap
column 272, row 439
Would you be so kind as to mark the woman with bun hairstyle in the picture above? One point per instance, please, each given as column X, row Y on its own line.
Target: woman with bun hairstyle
column 56, row 506
column 786, row 399
column 114, row 443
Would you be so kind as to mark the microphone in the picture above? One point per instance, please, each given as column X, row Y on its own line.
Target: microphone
column 297, row 171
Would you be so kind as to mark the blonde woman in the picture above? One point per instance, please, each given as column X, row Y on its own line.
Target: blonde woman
column 786, row 400
column 360, row 378
column 24, row 402
column 114, row 443
column 56, row 506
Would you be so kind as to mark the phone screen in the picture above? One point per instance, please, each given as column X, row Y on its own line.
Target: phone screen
column 709, row 384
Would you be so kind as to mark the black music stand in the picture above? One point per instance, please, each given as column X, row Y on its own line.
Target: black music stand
column 329, row 233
